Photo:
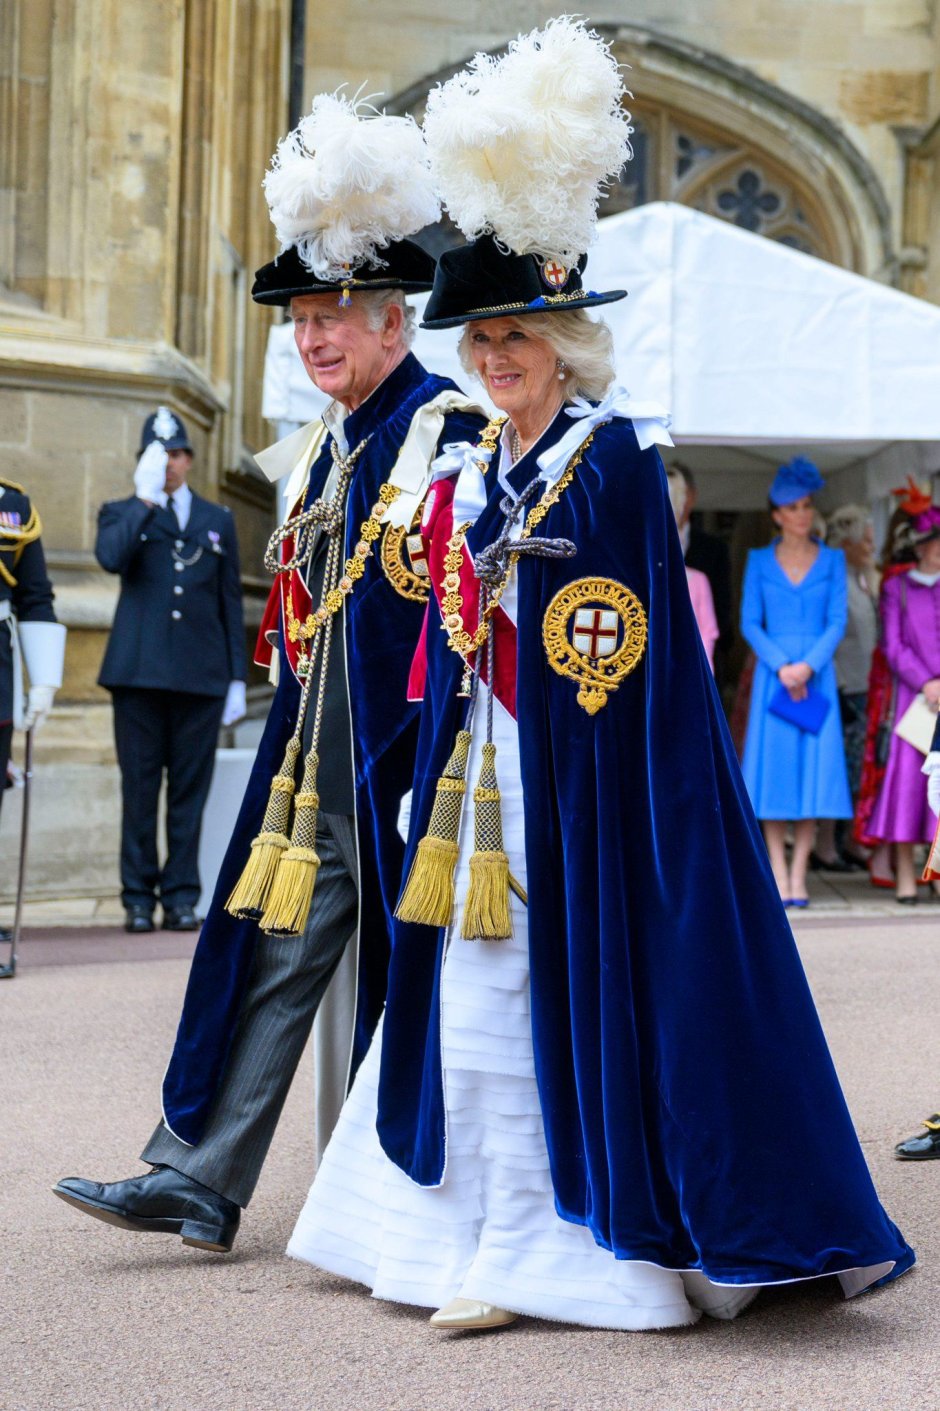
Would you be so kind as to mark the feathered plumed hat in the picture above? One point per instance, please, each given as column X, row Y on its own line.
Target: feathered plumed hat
column 521, row 147
column 345, row 189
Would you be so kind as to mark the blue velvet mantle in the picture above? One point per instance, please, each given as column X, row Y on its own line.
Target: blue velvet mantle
column 692, row 1113
column 381, row 630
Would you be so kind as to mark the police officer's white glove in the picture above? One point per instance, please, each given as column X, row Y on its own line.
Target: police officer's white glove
column 931, row 768
column 150, row 475
column 38, row 705
column 404, row 816
column 235, row 707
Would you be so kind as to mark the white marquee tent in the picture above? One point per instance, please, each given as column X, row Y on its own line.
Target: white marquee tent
column 756, row 349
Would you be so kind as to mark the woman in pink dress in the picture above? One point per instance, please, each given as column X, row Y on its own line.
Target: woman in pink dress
column 700, row 590
column 910, row 610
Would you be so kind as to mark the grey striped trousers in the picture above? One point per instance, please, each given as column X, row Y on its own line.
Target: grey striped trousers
column 287, row 983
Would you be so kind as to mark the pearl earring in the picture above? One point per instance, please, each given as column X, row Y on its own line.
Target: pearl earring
column 562, row 369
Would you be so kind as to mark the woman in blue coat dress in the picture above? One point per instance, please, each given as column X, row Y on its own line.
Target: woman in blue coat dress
column 793, row 614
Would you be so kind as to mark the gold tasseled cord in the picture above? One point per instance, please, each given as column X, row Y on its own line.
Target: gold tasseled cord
column 428, row 897
column 291, row 892
column 250, row 892
column 486, row 915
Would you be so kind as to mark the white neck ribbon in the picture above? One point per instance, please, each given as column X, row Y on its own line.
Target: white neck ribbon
column 650, row 422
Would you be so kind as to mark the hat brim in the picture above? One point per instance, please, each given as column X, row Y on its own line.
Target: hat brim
column 280, row 298
column 544, row 304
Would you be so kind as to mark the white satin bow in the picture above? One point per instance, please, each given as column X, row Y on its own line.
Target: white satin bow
column 460, row 458
column 650, row 422
column 466, row 461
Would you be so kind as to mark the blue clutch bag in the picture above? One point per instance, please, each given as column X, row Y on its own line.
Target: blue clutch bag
column 807, row 714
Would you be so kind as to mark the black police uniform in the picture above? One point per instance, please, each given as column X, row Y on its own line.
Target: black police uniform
column 177, row 642
column 25, row 586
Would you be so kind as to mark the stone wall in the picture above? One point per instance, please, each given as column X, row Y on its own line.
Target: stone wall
column 132, row 218
column 133, row 137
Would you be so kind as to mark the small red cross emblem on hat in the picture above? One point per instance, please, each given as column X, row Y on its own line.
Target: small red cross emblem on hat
column 554, row 274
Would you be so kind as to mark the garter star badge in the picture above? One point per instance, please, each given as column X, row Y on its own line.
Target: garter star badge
column 594, row 633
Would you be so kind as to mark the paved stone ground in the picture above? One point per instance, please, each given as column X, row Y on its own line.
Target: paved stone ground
column 93, row 1318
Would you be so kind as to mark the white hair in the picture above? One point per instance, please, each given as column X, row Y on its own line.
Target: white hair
column 585, row 347
column 678, row 492
column 847, row 525
column 377, row 302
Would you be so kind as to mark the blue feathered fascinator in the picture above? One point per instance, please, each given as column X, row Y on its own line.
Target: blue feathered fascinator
column 797, row 478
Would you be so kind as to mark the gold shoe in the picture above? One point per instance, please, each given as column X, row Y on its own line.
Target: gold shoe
column 468, row 1313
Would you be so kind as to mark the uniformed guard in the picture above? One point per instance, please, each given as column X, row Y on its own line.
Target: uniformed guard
column 175, row 665
column 316, row 855
column 29, row 633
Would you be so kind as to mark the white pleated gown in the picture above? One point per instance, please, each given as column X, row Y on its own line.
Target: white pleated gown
column 490, row 1231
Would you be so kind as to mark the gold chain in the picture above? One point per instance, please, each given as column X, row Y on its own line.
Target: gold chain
column 460, row 640
column 353, row 570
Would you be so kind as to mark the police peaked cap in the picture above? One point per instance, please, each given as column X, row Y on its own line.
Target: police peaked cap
column 404, row 266
column 484, row 280
column 168, row 428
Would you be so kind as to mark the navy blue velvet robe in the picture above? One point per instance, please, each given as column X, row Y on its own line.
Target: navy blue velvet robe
column 692, row 1113
column 381, row 629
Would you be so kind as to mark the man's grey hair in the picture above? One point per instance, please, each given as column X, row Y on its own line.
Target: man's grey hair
column 377, row 301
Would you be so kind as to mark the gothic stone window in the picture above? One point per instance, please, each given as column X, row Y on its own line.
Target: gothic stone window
column 678, row 159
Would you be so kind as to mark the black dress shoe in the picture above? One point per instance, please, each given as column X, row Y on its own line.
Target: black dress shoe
column 924, row 1147
column 181, row 918
column 163, row 1201
column 138, row 919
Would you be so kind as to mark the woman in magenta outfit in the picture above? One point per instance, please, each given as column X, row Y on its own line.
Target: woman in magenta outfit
column 910, row 611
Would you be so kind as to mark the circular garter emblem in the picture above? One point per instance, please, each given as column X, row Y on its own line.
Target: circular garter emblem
column 405, row 563
column 594, row 633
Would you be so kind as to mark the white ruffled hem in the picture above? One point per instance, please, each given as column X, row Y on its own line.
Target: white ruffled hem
column 490, row 1231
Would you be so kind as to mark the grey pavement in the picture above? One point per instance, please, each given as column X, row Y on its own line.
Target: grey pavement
column 93, row 1318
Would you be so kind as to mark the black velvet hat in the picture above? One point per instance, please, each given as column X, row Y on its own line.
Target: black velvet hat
column 404, row 266
column 483, row 280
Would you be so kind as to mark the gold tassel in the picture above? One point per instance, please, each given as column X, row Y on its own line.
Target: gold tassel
column 291, row 894
column 250, row 892
column 428, row 898
column 486, row 915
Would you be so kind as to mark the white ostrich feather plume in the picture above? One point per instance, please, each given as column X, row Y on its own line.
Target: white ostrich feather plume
column 347, row 181
column 522, row 145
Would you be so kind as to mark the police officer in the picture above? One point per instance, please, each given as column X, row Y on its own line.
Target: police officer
column 175, row 666
column 28, row 626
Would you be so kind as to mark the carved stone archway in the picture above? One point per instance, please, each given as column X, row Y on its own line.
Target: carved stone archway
column 712, row 135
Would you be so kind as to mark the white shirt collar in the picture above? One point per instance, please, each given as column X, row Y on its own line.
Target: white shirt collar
column 335, row 414
column 183, row 503
column 334, row 419
column 927, row 579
